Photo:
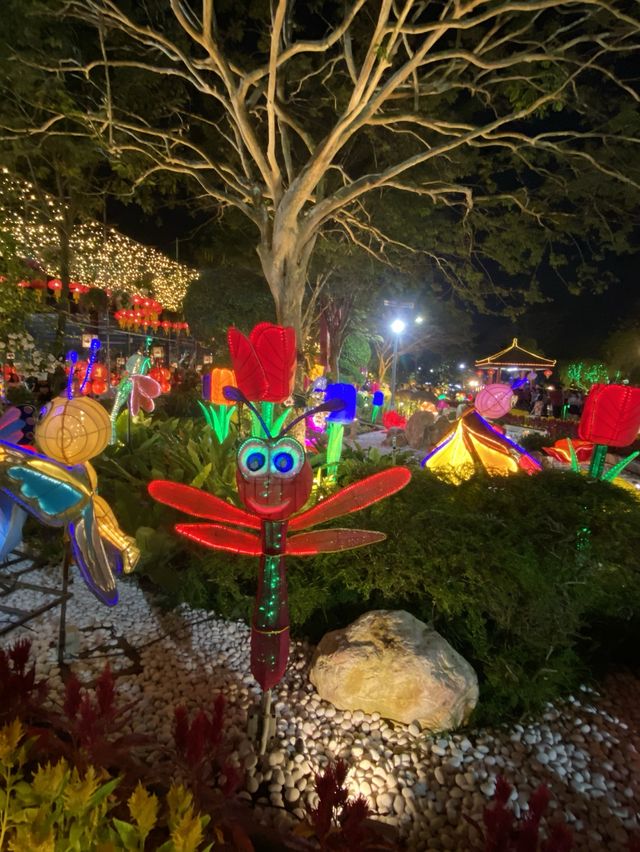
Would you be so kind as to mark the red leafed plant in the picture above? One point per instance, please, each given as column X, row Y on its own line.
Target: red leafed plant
column 201, row 757
column 21, row 695
column 503, row 832
column 340, row 823
column 88, row 731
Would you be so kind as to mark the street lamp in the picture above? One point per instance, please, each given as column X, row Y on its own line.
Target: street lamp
column 397, row 327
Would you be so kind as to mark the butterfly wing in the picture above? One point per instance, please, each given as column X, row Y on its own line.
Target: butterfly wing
column 193, row 501
column 122, row 545
column 222, row 538
column 330, row 541
column 353, row 497
column 51, row 492
column 11, row 425
column 12, row 518
column 95, row 564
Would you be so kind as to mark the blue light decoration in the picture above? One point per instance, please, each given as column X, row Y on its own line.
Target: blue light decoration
column 377, row 403
column 337, row 420
column 348, row 394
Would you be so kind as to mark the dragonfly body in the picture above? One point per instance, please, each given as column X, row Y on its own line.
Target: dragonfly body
column 274, row 482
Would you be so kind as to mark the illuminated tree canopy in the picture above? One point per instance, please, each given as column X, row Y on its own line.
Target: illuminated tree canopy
column 509, row 128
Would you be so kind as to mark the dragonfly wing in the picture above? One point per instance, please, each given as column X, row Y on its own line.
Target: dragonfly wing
column 53, row 493
column 222, row 538
column 353, row 497
column 331, row 541
column 196, row 502
column 128, row 553
column 92, row 559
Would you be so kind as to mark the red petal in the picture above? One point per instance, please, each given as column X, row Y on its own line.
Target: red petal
column 250, row 376
column 222, row 538
column 331, row 541
column 276, row 349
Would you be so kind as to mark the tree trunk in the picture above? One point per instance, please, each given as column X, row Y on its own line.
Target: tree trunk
column 63, row 303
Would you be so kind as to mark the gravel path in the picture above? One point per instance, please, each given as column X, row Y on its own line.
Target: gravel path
column 587, row 750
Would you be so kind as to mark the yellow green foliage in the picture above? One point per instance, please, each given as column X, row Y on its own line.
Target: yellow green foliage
column 56, row 808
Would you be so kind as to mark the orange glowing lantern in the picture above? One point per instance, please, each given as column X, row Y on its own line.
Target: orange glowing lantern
column 213, row 384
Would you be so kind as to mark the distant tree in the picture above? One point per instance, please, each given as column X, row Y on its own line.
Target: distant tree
column 622, row 350
column 509, row 129
column 354, row 358
column 223, row 297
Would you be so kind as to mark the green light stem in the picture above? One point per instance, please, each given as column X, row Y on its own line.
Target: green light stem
column 620, row 466
column 374, row 413
column 575, row 465
column 335, row 431
column 596, row 467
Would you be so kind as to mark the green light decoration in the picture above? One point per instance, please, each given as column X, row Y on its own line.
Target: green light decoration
column 596, row 467
column 267, row 412
column 137, row 365
column 335, row 433
column 620, row 466
column 218, row 418
column 584, row 375
column 575, row 464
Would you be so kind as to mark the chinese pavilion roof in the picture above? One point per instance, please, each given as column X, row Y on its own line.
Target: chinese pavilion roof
column 516, row 356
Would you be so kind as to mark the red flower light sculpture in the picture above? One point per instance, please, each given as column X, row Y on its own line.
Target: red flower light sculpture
column 264, row 362
column 611, row 416
column 393, row 420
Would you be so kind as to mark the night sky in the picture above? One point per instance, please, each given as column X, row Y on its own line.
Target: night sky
column 567, row 327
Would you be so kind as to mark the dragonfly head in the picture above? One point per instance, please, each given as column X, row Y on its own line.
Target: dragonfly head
column 274, row 478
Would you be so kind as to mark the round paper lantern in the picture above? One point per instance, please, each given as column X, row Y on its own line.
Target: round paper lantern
column 494, row 400
column 73, row 430
column 98, row 386
column 99, row 372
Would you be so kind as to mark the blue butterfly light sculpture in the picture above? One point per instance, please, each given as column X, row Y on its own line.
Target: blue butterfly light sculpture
column 59, row 488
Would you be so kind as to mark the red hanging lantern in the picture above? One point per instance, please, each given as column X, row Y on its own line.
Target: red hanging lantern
column 611, row 415
column 24, row 284
column 547, row 374
column 98, row 386
column 154, row 324
column 55, row 285
column 137, row 300
column 99, row 373
column 166, row 325
column 75, row 289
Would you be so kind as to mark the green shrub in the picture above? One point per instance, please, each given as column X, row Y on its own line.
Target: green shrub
column 499, row 565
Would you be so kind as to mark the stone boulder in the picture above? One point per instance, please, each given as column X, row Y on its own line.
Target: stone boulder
column 391, row 663
column 417, row 429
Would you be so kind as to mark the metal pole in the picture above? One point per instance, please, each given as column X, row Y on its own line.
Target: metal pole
column 394, row 371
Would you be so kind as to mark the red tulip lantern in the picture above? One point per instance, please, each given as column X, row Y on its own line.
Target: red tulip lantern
column 265, row 362
column 611, row 416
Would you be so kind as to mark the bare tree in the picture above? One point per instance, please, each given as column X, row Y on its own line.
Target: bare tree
column 294, row 125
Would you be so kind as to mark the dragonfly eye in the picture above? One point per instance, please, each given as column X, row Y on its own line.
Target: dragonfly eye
column 283, row 462
column 253, row 458
column 287, row 458
column 256, row 461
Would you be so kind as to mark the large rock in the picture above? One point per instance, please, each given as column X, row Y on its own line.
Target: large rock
column 417, row 429
column 391, row 663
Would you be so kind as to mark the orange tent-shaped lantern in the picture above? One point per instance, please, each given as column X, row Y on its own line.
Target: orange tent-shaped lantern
column 474, row 442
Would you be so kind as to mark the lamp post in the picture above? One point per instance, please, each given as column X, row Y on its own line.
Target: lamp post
column 397, row 327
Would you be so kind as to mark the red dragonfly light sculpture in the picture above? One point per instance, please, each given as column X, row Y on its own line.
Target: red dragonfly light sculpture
column 274, row 482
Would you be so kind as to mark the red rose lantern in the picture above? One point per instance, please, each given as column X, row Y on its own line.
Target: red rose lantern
column 611, row 416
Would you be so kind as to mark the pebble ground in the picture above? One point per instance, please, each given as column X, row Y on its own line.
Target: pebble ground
column 586, row 750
